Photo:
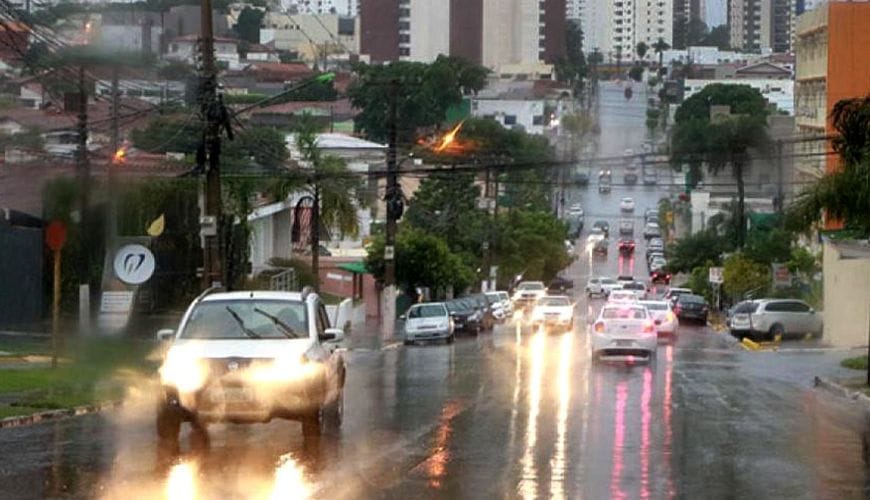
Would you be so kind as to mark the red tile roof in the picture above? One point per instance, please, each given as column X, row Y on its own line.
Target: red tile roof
column 279, row 72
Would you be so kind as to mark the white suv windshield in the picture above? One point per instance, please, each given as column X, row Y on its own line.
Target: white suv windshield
column 554, row 301
column 246, row 319
column 531, row 286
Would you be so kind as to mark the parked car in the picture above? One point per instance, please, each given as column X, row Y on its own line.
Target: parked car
column 624, row 332
column 527, row 292
column 655, row 245
column 674, row 292
column 626, row 227
column 650, row 177
column 489, row 308
column 691, row 306
column 626, row 204
column 605, row 180
column 652, row 230
column 664, row 318
column 559, row 285
column 250, row 357
column 651, row 215
column 428, row 321
column 502, row 301
column 553, row 311
column 764, row 319
column 467, row 318
column 626, row 246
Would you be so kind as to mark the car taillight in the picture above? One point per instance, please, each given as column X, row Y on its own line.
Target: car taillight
column 649, row 327
column 599, row 327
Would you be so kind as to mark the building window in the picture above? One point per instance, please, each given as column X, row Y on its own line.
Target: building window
column 404, row 51
column 510, row 119
column 538, row 120
column 404, row 38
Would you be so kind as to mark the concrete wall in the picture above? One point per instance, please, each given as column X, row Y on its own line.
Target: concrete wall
column 523, row 112
column 340, row 282
column 847, row 298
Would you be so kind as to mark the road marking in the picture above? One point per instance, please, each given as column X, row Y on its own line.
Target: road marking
column 391, row 346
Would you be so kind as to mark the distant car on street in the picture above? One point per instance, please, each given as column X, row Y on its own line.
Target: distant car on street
column 553, row 311
column 603, row 225
column 527, row 292
column 626, row 227
column 467, row 317
column 627, row 204
column 596, row 234
column 626, row 246
column 600, row 286
column 601, row 247
column 621, row 296
column 664, row 318
column 636, row 287
column 674, row 292
column 691, row 307
column 652, row 230
column 624, row 332
column 560, row 284
column 764, row 319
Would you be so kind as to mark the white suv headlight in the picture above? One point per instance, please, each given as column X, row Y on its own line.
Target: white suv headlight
column 183, row 370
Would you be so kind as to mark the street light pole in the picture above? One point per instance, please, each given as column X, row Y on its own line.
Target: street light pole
column 211, row 114
column 394, row 207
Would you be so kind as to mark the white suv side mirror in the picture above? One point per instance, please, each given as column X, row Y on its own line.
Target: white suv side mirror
column 165, row 334
column 332, row 335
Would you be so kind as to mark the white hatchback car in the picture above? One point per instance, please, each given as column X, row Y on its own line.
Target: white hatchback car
column 249, row 357
column 664, row 318
column 627, row 204
column 624, row 332
column 621, row 297
column 428, row 321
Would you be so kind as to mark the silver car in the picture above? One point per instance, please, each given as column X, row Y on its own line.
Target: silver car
column 764, row 319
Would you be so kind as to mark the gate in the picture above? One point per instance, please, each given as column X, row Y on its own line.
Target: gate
column 21, row 267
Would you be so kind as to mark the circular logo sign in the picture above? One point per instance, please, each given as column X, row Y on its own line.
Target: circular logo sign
column 134, row 264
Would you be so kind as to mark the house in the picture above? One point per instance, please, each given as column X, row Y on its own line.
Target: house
column 846, row 270
column 285, row 115
column 261, row 53
column 151, row 91
column 279, row 72
column 778, row 92
column 186, row 48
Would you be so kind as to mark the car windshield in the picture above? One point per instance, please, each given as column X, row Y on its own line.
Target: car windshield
column 493, row 297
column 608, row 281
column 656, row 306
column 623, row 313
column 634, row 286
column 426, row 311
column 695, row 299
column 246, row 319
column 455, row 306
column 745, row 307
column 554, row 301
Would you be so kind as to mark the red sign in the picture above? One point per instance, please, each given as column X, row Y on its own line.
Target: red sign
column 55, row 235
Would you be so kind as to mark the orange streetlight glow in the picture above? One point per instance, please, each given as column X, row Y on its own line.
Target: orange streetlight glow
column 449, row 138
column 120, row 155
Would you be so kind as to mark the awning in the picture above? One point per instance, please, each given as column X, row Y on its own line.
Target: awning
column 354, row 267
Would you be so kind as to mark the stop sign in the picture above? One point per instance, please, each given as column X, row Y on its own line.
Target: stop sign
column 55, row 235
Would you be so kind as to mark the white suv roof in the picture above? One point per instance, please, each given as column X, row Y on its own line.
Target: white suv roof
column 250, row 295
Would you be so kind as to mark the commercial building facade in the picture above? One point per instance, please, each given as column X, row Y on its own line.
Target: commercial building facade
column 615, row 28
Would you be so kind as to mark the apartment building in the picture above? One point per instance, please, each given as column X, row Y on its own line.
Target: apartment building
column 762, row 25
column 615, row 28
column 831, row 65
column 348, row 8
column 515, row 34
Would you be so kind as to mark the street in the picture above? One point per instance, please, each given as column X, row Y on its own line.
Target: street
column 508, row 414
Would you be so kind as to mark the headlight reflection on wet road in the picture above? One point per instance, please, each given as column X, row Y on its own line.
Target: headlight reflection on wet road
column 181, row 483
column 618, row 442
column 289, row 480
column 528, row 487
column 558, row 465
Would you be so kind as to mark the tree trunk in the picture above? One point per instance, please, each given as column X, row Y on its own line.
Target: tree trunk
column 741, row 208
column 315, row 236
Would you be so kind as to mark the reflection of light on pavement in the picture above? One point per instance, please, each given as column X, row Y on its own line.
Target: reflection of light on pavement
column 435, row 466
column 528, row 487
column 289, row 480
column 669, row 432
column 631, row 265
column 558, row 468
column 618, row 441
column 181, row 483
column 645, row 417
column 518, row 362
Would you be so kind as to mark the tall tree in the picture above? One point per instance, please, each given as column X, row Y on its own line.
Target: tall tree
column 641, row 50
column 660, row 47
column 423, row 92
column 248, row 25
column 844, row 194
column 724, row 141
column 572, row 68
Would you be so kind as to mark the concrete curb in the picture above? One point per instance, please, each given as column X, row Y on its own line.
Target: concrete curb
column 842, row 391
column 50, row 415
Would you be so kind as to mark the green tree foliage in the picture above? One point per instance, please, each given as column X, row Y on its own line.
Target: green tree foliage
column 169, row 134
column 845, row 194
column 424, row 92
column 767, row 247
column 742, row 275
column 659, row 48
column 719, row 36
column 636, row 73
column 530, row 242
column 314, row 91
column 248, row 25
column 641, row 49
column 696, row 32
column 724, row 142
column 697, row 250
column 176, row 70
column 422, row 259
column 572, row 68
column 699, row 282
column 28, row 140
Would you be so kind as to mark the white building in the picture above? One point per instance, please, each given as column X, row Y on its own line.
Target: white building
column 341, row 7
column 574, row 9
column 510, row 113
column 778, row 92
column 654, row 20
column 615, row 28
column 312, row 36
column 428, row 33
column 186, row 48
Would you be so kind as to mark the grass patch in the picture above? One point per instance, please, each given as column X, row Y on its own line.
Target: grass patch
column 856, row 363
column 90, row 377
column 22, row 345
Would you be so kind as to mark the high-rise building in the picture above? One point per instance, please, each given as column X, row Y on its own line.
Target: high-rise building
column 574, row 8
column 348, row 8
column 830, row 65
column 684, row 12
column 762, row 25
column 495, row 33
column 615, row 28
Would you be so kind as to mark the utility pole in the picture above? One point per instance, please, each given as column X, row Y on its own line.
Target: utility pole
column 393, row 200
column 315, row 232
column 211, row 110
column 82, row 164
column 487, row 244
column 112, row 221
column 779, row 202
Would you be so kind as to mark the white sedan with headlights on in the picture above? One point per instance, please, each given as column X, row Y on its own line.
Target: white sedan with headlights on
column 664, row 318
column 626, row 204
column 553, row 311
column 249, row 357
column 624, row 332
column 621, row 296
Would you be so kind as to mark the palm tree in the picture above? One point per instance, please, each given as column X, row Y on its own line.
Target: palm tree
column 641, row 49
column 843, row 195
column 660, row 47
column 335, row 190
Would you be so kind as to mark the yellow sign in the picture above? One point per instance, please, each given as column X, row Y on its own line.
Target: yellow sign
column 155, row 229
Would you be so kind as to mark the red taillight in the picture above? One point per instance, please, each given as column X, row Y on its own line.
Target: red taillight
column 599, row 327
column 649, row 327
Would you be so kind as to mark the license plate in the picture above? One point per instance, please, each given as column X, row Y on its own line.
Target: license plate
column 624, row 342
column 232, row 395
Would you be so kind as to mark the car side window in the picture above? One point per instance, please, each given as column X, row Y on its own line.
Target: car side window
column 798, row 307
column 776, row 307
column 322, row 320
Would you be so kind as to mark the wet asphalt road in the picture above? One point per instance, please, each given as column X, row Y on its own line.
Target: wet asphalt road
column 510, row 414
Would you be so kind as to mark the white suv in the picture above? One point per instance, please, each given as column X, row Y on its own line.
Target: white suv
column 766, row 318
column 249, row 357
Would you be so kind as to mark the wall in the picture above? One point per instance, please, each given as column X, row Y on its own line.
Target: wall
column 430, row 29
column 379, row 34
column 525, row 112
column 466, row 29
column 847, row 299
column 340, row 282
